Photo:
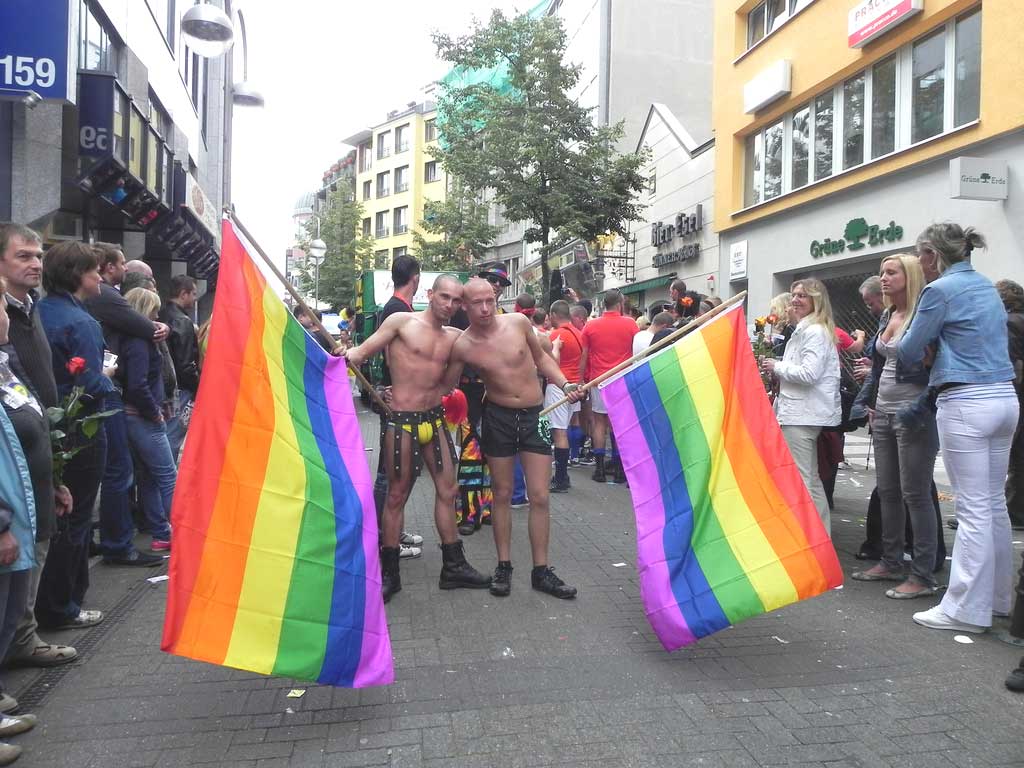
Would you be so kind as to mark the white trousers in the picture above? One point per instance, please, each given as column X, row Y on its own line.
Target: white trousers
column 803, row 445
column 975, row 436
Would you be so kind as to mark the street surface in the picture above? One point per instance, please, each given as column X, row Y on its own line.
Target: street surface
column 845, row 680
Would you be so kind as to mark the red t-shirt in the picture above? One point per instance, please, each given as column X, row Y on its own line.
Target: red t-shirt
column 609, row 340
column 572, row 350
column 843, row 340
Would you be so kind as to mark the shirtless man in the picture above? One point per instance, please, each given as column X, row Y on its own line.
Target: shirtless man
column 418, row 345
column 508, row 356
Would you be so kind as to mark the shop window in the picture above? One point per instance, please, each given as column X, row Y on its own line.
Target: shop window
column 928, row 92
column 801, row 146
column 853, row 121
column 883, row 107
column 823, row 118
column 967, row 87
column 402, row 179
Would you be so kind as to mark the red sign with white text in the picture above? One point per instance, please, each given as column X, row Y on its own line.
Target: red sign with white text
column 871, row 18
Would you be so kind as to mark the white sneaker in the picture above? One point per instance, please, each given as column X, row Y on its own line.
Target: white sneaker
column 405, row 551
column 935, row 618
column 411, row 539
column 12, row 725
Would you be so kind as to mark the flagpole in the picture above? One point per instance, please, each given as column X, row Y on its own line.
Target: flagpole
column 309, row 313
column 671, row 338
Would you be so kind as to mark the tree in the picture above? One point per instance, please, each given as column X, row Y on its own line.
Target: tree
column 520, row 133
column 461, row 221
column 347, row 251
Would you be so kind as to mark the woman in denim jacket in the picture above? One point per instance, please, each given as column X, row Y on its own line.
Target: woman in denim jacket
column 808, row 377
column 905, row 452
column 960, row 314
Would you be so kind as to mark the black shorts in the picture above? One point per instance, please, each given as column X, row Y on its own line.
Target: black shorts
column 508, row 431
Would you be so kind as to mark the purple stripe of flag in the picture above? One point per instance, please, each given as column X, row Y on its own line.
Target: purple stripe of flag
column 660, row 602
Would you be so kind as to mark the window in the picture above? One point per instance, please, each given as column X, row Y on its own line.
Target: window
column 382, row 225
column 768, row 16
column 367, row 190
column 801, row 146
column 152, row 159
column 163, row 14
column 384, row 184
column 366, row 227
column 967, row 87
column 430, row 130
column 652, row 183
column 402, row 179
column 135, row 140
column 365, row 157
column 929, row 86
column 853, row 121
column 401, row 220
column 430, row 171
column 402, row 138
column 380, row 259
column 120, row 125
column 401, row 251
column 383, row 145
column 883, row 107
column 96, row 50
column 899, row 101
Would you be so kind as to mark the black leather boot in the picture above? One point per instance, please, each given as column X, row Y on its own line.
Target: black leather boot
column 598, row 476
column 390, row 579
column 456, row 572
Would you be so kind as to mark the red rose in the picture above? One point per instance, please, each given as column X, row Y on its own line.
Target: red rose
column 76, row 365
column 687, row 301
column 772, row 319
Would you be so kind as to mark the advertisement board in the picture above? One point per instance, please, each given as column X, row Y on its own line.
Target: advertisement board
column 37, row 49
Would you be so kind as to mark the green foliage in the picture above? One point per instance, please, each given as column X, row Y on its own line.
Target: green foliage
column 347, row 250
column 528, row 140
column 66, row 425
column 461, row 222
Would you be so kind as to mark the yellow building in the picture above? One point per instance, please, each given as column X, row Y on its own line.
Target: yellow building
column 844, row 127
column 396, row 178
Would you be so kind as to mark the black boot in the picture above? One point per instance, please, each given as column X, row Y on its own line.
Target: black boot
column 467, row 528
column 618, row 473
column 390, row 579
column 456, row 571
column 598, row 476
column 501, row 584
column 544, row 579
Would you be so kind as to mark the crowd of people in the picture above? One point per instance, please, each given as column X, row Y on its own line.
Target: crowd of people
column 98, row 378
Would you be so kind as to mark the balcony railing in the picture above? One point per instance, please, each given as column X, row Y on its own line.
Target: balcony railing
column 383, row 152
column 382, row 232
column 383, row 191
column 403, row 147
column 404, row 187
column 401, row 229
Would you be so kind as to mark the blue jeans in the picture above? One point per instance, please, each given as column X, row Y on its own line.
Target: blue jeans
column 116, row 525
column 156, row 485
column 175, row 430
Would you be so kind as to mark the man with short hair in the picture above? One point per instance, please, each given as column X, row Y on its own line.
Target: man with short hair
column 607, row 341
column 21, row 253
column 567, row 347
column 418, row 347
column 871, row 295
column 661, row 326
column 183, row 344
column 508, row 356
column 111, row 310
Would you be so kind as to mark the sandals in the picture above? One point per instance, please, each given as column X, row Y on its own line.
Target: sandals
column 877, row 573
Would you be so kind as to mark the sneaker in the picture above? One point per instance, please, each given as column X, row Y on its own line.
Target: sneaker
column 136, row 559
column 82, row 620
column 8, row 703
column 587, row 459
column 574, row 462
column 935, row 618
column 411, row 539
column 557, row 487
column 12, row 725
column 160, row 545
column 405, row 551
column 501, row 582
column 9, row 753
column 42, row 655
column 545, row 580
column 519, row 503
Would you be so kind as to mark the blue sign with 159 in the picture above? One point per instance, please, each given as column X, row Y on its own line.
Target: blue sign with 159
column 37, row 41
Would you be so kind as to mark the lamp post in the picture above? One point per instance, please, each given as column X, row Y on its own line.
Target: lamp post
column 317, row 252
column 209, row 32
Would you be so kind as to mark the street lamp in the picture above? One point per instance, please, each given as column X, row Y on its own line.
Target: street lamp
column 317, row 252
column 209, row 32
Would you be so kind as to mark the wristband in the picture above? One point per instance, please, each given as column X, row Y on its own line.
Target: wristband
column 569, row 387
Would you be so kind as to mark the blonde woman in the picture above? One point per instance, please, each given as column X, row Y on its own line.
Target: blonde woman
column 141, row 370
column 779, row 309
column 905, row 449
column 808, row 375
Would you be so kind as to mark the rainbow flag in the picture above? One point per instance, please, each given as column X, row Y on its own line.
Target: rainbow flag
column 275, row 566
column 726, row 528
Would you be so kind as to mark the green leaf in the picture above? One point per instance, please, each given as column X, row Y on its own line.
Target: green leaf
column 55, row 415
column 90, row 427
column 56, row 434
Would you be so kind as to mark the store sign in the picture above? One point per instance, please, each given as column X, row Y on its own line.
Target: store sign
column 857, row 234
column 200, row 205
column 687, row 252
column 871, row 18
column 978, row 178
column 96, row 115
column 738, row 260
column 685, row 224
column 769, row 85
column 37, row 49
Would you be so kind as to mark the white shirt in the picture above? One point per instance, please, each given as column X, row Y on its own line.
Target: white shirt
column 642, row 341
column 809, row 376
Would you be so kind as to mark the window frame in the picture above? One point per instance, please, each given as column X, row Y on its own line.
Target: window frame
column 384, row 144
column 793, row 8
column 402, row 143
column 399, row 188
column 427, row 178
column 384, row 176
column 401, row 211
column 430, row 130
column 380, row 224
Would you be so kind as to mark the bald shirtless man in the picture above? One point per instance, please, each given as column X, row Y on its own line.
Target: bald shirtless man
column 419, row 345
column 507, row 354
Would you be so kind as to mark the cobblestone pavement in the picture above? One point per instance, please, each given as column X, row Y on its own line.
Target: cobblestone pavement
column 844, row 680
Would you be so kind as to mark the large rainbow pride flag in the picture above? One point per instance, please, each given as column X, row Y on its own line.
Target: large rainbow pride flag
column 726, row 528
column 275, row 566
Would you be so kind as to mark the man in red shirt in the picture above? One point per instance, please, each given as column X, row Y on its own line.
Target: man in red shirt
column 607, row 341
column 567, row 347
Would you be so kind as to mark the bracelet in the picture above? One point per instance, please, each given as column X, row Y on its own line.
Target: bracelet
column 569, row 387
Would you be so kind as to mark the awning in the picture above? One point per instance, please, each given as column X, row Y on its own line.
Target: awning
column 643, row 285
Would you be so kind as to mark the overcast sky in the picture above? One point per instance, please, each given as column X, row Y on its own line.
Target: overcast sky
column 328, row 69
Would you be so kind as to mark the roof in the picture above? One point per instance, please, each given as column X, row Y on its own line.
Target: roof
column 679, row 133
column 304, row 204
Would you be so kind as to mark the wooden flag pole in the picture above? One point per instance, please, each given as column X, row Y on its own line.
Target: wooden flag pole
column 316, row 321
column 671, row 338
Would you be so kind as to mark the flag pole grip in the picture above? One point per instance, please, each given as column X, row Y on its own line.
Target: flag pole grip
column 305, row 307
column 670, row 339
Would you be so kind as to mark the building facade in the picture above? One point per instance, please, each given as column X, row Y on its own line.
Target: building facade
column 133, row 145
column 845, row 127
column 396, row 179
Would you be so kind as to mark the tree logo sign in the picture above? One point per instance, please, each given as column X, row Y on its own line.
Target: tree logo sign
column 856, row 235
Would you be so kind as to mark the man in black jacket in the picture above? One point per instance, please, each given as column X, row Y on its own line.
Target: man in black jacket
column 21, row 265
column 117, row 529
column 184, row 347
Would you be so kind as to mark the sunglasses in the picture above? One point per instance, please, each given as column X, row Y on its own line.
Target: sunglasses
column 493, row 279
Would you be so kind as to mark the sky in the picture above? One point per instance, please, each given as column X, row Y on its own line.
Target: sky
column 328, row 68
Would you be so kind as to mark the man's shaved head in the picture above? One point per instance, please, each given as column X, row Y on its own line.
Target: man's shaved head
column 441, row 279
